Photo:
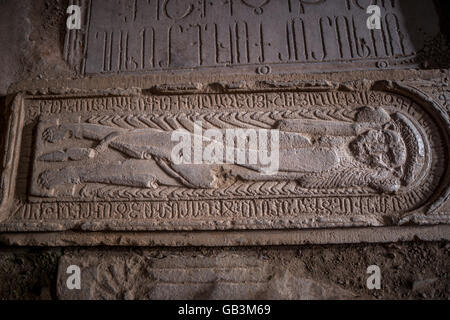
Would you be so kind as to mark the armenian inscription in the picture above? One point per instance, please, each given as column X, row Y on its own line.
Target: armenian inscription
column 141, row 36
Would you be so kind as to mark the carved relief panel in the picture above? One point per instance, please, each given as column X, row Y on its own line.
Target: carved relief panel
column 358, row 154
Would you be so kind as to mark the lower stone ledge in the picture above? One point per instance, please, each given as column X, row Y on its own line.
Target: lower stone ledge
column 230, row 238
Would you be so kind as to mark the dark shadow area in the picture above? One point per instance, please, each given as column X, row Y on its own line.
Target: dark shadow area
column 2, row 125
column 443, row 7
column 426, row 23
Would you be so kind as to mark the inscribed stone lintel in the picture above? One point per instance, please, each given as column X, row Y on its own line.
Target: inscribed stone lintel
column 365, row 154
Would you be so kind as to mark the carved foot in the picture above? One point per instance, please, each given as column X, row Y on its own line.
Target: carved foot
column 50, row 179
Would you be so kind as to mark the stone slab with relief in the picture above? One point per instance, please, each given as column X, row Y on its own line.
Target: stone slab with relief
column 363, row 155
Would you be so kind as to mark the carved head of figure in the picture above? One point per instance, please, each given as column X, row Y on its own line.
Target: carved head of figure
column 381, row 147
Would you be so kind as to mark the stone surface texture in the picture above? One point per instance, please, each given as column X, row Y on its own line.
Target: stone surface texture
column 104, row 162
column 86, row 115
column 413, row 270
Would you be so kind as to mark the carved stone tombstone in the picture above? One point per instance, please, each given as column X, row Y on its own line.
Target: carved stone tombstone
column 368, row 153
column 90, row 161
column 261, row 36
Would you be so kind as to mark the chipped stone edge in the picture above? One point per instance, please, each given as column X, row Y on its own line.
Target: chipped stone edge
column 11, row 152
column 191, row 82
column 230, row 238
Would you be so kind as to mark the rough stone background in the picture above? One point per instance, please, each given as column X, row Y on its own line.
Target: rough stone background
column 31, row 40
column 415, row 270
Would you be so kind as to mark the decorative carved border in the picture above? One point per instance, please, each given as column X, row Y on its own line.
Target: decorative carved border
column 442, row 118
column 426, row 216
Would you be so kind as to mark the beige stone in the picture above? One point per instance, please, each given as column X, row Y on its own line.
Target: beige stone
column 187, row 276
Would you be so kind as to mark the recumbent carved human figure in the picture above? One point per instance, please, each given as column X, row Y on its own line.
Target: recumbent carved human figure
column 317, row 154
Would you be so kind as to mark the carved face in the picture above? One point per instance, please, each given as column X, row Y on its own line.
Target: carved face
column 379, row 149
